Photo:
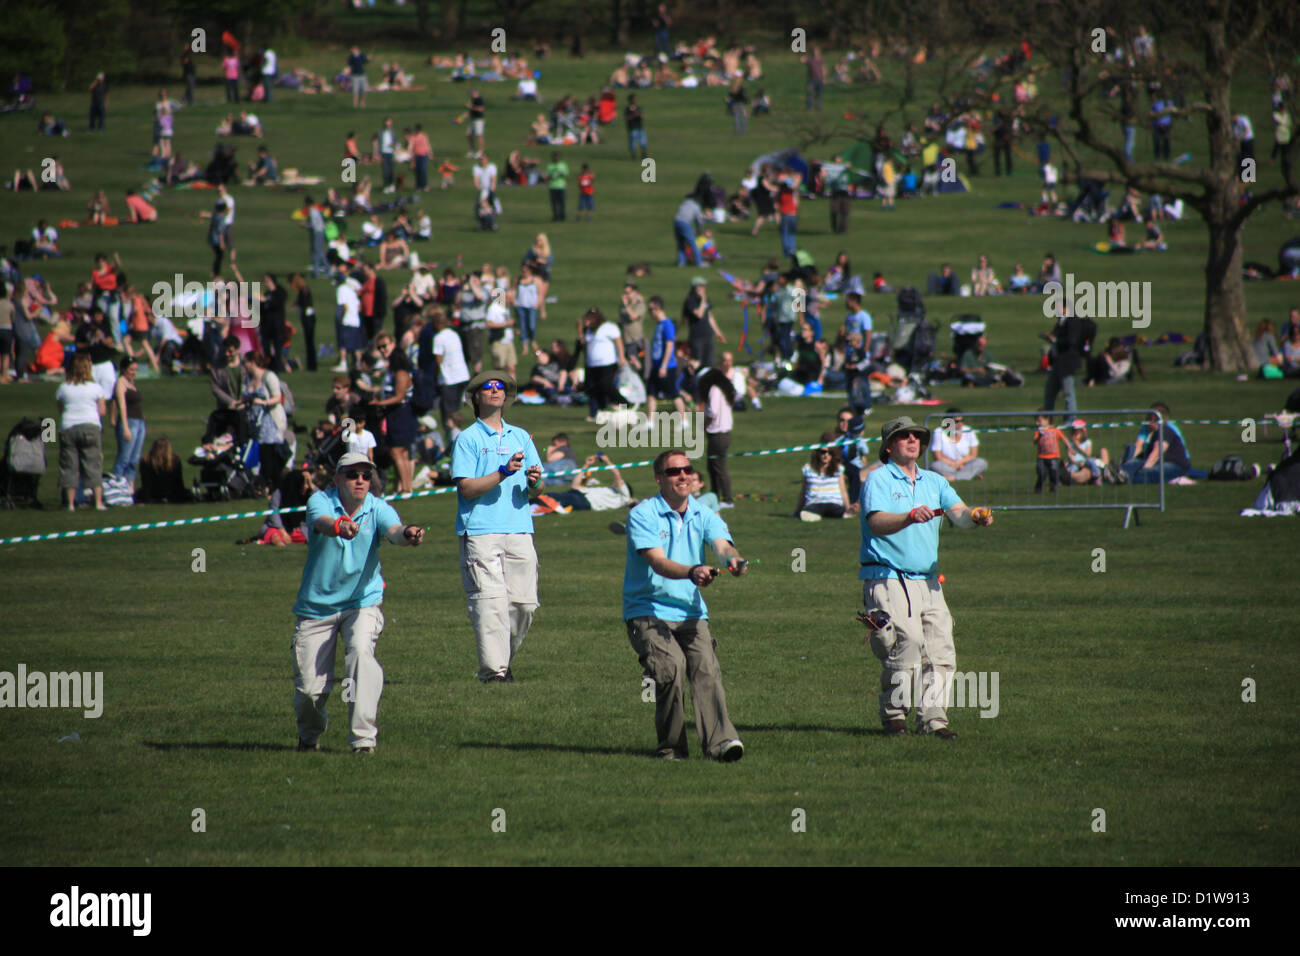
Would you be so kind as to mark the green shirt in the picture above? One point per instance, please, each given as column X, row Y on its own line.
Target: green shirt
column 971, row 359
column 556, row 174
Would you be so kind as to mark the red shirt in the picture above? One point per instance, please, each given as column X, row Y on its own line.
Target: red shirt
column 105, row 281
column 368, row 297
column 787, row 202
column 1048, row 441
column 420, row 145
column 587, row 183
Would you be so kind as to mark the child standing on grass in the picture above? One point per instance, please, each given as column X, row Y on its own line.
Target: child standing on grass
column 447, row 169
column 586, row 193
column 1049, row 439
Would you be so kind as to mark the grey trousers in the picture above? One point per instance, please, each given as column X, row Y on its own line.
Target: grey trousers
column 972, row 469
column 672, row 652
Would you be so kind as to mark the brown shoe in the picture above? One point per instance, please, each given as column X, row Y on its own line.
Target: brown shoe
column 943, row 733
column 896, row 727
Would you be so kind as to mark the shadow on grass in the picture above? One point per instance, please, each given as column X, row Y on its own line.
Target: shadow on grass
column 602, row 751
column 852, row 731
column 217, row 745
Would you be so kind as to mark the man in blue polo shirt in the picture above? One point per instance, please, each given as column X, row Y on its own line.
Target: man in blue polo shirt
column 341, row 593
column 494, row 464
column 667, row 620
column 899, row 570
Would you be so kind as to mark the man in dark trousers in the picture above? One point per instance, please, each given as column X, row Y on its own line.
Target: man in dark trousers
column 1069, row 343
column 275, row 300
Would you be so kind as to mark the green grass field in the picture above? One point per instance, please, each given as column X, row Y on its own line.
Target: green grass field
column 1119, row 690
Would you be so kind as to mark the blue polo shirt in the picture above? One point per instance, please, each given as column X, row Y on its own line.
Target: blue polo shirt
column 860, row 322
column 480, row 451
column 341, row 575
column 653, row 524
column 914, row 550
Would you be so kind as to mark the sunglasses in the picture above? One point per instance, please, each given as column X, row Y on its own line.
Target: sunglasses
column 494, row 384
column 674, row 472
column 919, row 436
column 354, row 475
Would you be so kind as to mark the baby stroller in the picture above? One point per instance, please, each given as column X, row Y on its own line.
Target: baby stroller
column 966, row 330
column 226, row 472
column 910, row 305
column 912, row 341
column 22, row 465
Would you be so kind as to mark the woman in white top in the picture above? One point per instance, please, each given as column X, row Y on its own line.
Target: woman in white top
column 81, row 452
column 825, row 494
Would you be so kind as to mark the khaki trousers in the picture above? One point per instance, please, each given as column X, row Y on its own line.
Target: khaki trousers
column 672, row 652
column 499, row 573
column 916, row 650
column 313, row 667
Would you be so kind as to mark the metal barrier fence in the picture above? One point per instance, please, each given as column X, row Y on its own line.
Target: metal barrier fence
column 1006, row 443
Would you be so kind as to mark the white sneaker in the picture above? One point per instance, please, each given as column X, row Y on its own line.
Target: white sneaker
column 758, row 406
column 731, row 751
column 726, row 504
column 341, row 367
column 423, row 479
column 809, row 516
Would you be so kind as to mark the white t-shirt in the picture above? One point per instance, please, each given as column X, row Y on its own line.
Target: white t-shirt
column 351, row 302
column 966, row 444
column 485, row 176
column 423, row 286
column 229, row 219
column 49, row 235
column 362, row 442
column 268, row 63
column 600, row 345
column 452, row 369
column 166, row 330
column 528, row 86
column 80, row 404
column 496, row 313
column 372, row 230
column 105, row 374
column 606, row 499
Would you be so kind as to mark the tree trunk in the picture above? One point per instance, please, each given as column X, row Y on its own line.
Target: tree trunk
column 1228, row 343
column 450, row 21
column 422, row 17
column 618, row 30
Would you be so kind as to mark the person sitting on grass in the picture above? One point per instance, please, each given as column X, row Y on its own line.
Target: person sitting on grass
column 264, row 170
column 1155, row 239
column 1141, row 462
column 954, row 450
column 584, row 494
column 824, row 493
column 1083, row 468
column 161, row 479
column 139, row 208
column 393, row 253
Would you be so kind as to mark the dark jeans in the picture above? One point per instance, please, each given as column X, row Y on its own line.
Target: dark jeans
column 232, row 91
column 600, row 389
column 309, row 340
column 97, row 114
column 557, row 205
column 386, row 159
column 1048, row 470
column 840, row 212
column 571, row 499
column 421, row 171
column 1160, row 142
column 1001, row 151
